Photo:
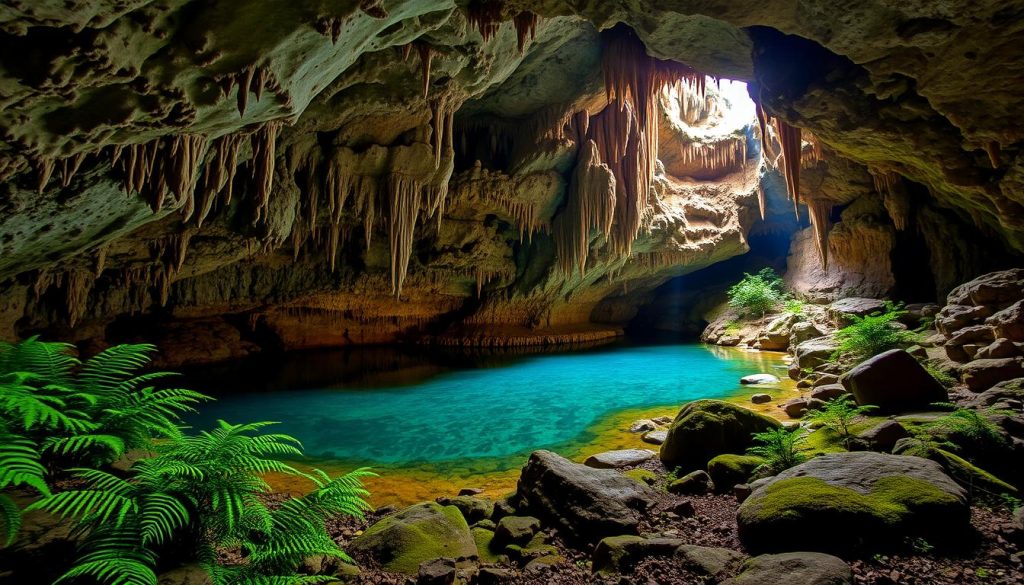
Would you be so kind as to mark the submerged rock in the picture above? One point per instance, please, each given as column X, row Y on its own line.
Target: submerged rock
column 894, row 382
column 761, row 398
column 706, row 428
column 620, row 458
column 844, row 501
column 401, row 541
column 796, row 568
column 584, row 503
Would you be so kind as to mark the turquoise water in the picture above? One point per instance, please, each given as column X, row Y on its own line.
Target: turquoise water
column 443, row 412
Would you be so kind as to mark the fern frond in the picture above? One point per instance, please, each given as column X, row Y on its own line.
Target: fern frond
column 10, row 520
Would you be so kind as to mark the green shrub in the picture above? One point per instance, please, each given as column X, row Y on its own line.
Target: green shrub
column 873, row 334
column 970, row 425
column 940, row 376
column 794, row 307
column 778, row 448
column 757, row 294
column 839, row 414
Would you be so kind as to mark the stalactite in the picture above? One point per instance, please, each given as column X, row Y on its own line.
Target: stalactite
column 497, row 187
column 219, row 175
column 820, row 210
column 485, row 15
column 426, row 53
column 70, row 166
column 992, row 148
column 724, row 154
column 186, row 153
column 100, row 262
column 762, row 204
column 44, row 168
column 894, row 196
column 263, row 152
column 365, row 189
column 77, row 286
column 590, row 205
column 526, row 27
column 404, row 201
column 626, row 131
column 789, row 138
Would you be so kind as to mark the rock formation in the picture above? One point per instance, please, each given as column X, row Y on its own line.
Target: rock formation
column 490, row 172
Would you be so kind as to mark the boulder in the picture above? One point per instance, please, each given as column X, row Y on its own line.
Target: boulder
column 858, row 306
column 815, row 352
column 775, row 337
column 582, row 502
column 729, row 470
column 1009, row 322
column 995, row 288
column 918, row 352
column 803, row 568
column 1000, row 348
column 619, row 458
column 825, row 380
column 759, row 379
column 883, row 437
column 473, row 509
column 706, row 428
column 437, row 572
column 493, row 576
column 619, row 554
column 795, row 408
column 828, row 392
column 401, row 541
column 952, row 318
column 655, row 437
column 894, row 382
column 642, row 426
column 515, row 530
column 840, row 502
column 1005, row 394
column 693, row 483
column 972, row 334
column 761, row 398
column 707, row 561
column 802, row 332
column 982, row 374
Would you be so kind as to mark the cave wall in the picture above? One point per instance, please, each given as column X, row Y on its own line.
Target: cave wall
column 225, row 176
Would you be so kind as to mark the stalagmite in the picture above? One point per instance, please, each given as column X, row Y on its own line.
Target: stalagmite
column 263, row 146
column 820, row 210
column 526, row 27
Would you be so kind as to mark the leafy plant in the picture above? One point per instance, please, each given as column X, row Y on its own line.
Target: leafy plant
column 940, row 376
column 756, row 294
column 778, row 447
column 794, row 307
column 19, row 467
column 839, row 414
column 205, row 491
column 974, row 426
column 873, row 334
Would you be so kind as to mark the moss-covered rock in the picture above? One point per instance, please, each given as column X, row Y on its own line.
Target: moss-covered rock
column 515, row 530
column 401, row 541
column 473, row 508
column 645, row 476
column 693, row 483
column 484, row 539
column 805, row 568
column 728, row 470
column 619, row 554
column 846, row 501
column 706, row 428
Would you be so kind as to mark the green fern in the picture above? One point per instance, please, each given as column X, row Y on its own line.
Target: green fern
column 778, row 448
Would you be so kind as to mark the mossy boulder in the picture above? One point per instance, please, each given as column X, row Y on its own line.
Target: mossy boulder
column 846, row 501
column 515, row 530
column 805, row 568
column 619, row 554
column 473, row 508
column 705, row 429
column 693, row 483
column 728, row 470
column 483, row 539
column 403, row 540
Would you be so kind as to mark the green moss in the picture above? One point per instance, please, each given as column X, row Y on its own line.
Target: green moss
column 728, row 470
column 419, row 533
column 970, row 475
column 825, row 440
column 644, row 476
column 483, row 538
column 704, row 429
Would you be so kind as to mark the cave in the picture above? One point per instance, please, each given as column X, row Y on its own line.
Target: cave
column 511, row 291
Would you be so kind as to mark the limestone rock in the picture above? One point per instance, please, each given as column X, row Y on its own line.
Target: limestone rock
column 815, row 352
column 401, row 541
column 805, row 568
column 994, row 288
column 620, row 458
column 1009, row 323
column 1000, row 348
column 706, row 428
column 829, row 392
column 858, row 306
column 883, row 436
column 952, row 318
column 894, row 382
column 803, row 331
column 582, row 502
column 841, row 501
column 655, row 437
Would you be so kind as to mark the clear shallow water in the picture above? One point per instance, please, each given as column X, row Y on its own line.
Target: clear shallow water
column 398, row 408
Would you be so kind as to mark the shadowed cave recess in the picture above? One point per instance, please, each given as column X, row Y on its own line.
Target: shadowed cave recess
column 396, row 196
